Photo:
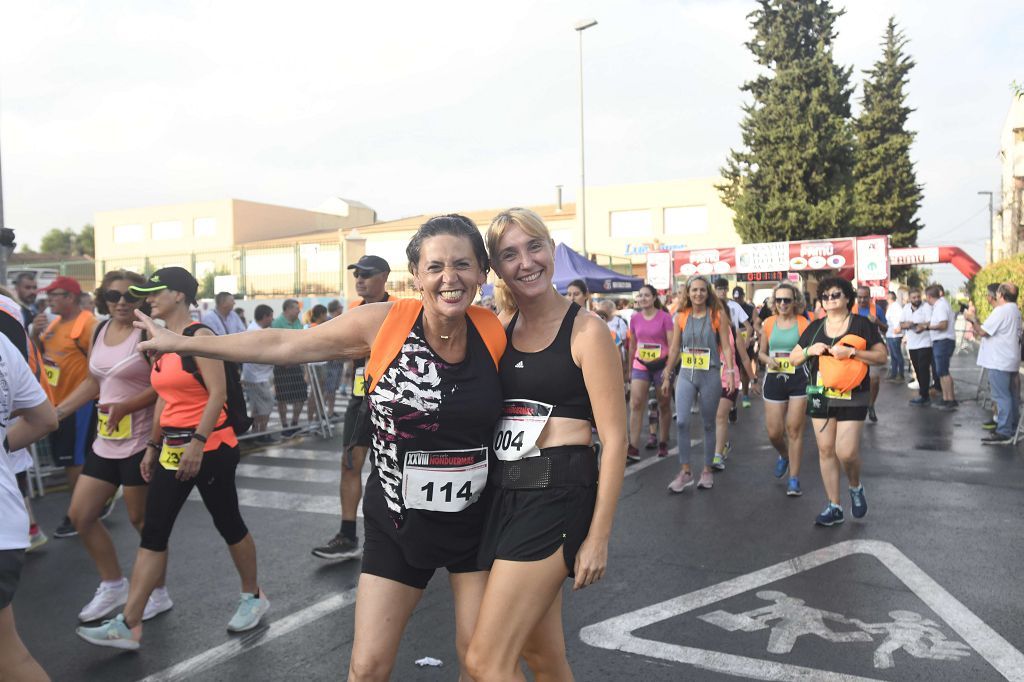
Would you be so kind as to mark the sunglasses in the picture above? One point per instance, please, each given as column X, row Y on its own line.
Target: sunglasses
column 783, row 301
column 115, row 296
column 363, row 274
column 834, row 296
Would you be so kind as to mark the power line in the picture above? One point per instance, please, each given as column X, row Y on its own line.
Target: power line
column 961, row 223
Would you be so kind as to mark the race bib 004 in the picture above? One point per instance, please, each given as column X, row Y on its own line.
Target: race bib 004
column 695, row 358
column 519, row 429
column 444, row 480
column 648, row 352
column 123, row 430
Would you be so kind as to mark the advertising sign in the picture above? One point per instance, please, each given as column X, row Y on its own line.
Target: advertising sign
column 762, row 257
column 708, row 262
column 872, row 260
column 824, row 254
column 659, row 269
column 914, row 256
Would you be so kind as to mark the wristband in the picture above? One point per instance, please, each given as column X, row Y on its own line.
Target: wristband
column 805, row 355
column 199, row 437
column 151, row 444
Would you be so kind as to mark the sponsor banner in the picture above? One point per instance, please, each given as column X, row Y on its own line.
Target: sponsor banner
column 659, row 269
column 771, row 257
column 824, row 254
column 872, row 259
column 915, row 256
column 707, row 262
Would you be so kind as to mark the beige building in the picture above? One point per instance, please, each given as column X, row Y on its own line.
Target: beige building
column 1008, row 219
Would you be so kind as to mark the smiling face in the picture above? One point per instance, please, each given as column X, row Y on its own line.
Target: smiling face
column 163, row 302
column 834, row 299
column 644, row 299
column 124, row 310
column 697, row 292
column 448, row 274
column 526, row 263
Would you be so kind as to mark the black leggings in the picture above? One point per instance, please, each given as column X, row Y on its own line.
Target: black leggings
column 216, row 481
column 921, row 359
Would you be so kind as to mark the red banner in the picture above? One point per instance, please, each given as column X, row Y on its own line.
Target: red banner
column 806, row 256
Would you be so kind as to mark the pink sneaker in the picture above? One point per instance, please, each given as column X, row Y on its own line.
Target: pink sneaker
column 663, row 449
column 707, row 480
column 681, row 482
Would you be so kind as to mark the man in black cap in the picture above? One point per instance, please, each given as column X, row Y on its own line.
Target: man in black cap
column 371, row 273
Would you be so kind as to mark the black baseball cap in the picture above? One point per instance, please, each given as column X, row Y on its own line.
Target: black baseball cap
column 371, row 264
column 173, row 278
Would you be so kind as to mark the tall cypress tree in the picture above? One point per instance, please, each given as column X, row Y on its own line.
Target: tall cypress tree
column 792, row 179
column 886, row 193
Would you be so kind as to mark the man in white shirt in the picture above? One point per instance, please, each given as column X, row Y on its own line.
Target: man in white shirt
column 258, row 380
column 1000, row 355
column 223, row 319
column 21, row 396
column 943, row 331
column 917, row 316
column 894, row 338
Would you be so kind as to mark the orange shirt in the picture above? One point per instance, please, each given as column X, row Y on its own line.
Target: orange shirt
column 185, row 400
column 66, row 359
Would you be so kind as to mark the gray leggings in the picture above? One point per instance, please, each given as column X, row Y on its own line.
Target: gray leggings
column 690, row 384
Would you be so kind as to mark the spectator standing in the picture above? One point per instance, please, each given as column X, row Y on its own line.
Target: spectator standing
column 917, row 316
column 223, row 319
column 25, row 289
column 257, row 381
column 65, row 345
column 241, row 315
column 1000, row 355
column 290, row 386
column 87, row 303
column 875, row 312
column 620, row 331
column 743, row 331
column 943, row 330
column 894, row 339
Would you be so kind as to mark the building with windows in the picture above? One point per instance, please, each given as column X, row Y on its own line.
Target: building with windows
column 1008, row 218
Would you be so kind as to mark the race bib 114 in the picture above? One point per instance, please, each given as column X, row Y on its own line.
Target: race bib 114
column 444, row 480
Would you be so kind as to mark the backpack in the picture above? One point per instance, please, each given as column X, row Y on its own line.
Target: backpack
column 238, row 418
column 399, row 322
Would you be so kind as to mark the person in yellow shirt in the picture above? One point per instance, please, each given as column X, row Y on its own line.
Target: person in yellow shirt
column 64, row 344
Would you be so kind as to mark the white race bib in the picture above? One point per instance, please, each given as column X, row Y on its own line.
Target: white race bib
column 520, row 426
column 444, row 480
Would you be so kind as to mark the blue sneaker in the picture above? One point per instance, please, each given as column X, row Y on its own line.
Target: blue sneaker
column 781, row 467
column 718, row 463
column 112, row 633
column 251, row 608
column 793, row 489
column 921, row 402
column 745, row 401
column 832, row 516
column 858, row 502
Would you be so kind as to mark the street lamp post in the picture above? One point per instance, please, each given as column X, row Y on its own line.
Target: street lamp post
column 580, row 27
column 991, row 224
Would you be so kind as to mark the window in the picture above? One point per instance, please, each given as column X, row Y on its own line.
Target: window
column 124, row 234
column 167, row 229
column 205, row 227
column 631, row 224
column 686, row 220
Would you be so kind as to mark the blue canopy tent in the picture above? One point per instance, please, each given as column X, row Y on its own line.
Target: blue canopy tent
column 570, row 265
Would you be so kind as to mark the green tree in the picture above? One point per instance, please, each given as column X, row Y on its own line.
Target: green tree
column 791, row 179
column 886, row 193
column 68, row 242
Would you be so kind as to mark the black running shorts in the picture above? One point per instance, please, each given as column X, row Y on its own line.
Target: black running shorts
column 117, row 472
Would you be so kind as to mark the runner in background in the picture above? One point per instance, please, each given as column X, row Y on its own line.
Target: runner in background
column 894, row 339
column 743, row 330
column 578, row 293
column 65, row 344
column 258, row 382
column 785, row 387
column 917, row 316
column 23, row 396
column 943, row 331
column 334, row 369
column 290, row 386
column 730, row 393
column 650, row 334
column 739, row 297
column 119, row 377
column 619, row 328
column 875, row 311
column 371, row 274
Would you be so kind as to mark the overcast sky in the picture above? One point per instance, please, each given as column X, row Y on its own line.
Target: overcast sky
column 414, row 107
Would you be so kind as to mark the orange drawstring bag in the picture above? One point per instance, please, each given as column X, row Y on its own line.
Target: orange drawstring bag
column 843, row 375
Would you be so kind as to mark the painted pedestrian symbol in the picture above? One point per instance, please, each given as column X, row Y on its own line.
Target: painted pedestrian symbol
column 909, row 631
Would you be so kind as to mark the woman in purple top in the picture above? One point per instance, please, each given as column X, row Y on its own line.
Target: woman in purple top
column 650, row 330
column 119, row 376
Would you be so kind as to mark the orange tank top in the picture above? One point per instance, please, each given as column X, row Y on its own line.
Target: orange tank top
column 185, row 400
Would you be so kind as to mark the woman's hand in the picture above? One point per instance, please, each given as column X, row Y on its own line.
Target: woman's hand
column 191, row 460
column 115, row 413
column 730, row 379
column 818, row 349
column 161, row 340
column 591, row 561
column 772, row 364
column 148, row 460
column 666, row 386
column 843, row 352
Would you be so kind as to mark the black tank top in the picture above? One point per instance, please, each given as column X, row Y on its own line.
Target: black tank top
column 548, row 376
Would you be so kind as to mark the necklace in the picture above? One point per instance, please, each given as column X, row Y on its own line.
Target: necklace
column 443, row 337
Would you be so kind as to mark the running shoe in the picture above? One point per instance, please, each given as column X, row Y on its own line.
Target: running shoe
column 781, row 466
column 718, row 464
column 990, row 425
column 112, row 633
column 733, row 415
column 707, row 480
column 832, row 516
column 251, row 608
column 913, row 385
column 108, row 598
column 793, row 489
column 871, row 414
column 158, row 602
column 36, row 538
column 681, row 482
column 921, row 402
column 745, row 401
column 652, row 442
column 997, row 439
column 339, row 548
column 662, row 449
column 632, row 454
column 858, row 503
column 66, row 529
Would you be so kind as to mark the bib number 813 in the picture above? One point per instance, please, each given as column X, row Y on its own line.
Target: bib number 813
column 465, row 492
column 504, row 440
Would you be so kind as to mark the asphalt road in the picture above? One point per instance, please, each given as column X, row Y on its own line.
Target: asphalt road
column 707, row 585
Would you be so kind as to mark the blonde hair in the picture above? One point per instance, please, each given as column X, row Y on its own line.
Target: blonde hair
column 523, row 218
column 503, row 300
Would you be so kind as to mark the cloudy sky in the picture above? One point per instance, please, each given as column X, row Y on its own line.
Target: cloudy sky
column 416, row 107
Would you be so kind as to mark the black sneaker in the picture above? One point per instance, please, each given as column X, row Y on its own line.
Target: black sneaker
column 339, row 548
column 871, row 413
column 733, row 416
column 66, row 529
column 994, row 439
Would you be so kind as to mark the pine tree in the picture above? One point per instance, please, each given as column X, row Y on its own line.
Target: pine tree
column 792, row 179
column 886, row 193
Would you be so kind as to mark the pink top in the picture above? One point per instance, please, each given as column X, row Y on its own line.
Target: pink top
column 652, row 335
column 123, row 373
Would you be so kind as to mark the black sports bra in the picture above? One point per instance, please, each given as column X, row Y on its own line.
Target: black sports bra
column 549, row 375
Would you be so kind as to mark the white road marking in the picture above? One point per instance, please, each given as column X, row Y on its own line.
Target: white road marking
column 300, row 474
column 285, row 453
column 251, row 640
column 616, row 633
column 652, row 460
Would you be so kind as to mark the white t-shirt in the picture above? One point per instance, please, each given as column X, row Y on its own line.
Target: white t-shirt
column 18, row 390
column 942, row 311
column 737, row 313
column 923, row 315
column 253, row 373
column 893, row 315
column 1001, row 348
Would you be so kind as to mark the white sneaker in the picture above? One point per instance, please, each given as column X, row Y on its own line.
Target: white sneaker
column 104, row 602
column 251, row 608
column 913, row 385
column 159, row 602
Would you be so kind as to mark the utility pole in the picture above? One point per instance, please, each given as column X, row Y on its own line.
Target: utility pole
column 580, row 27
column 991, row 225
